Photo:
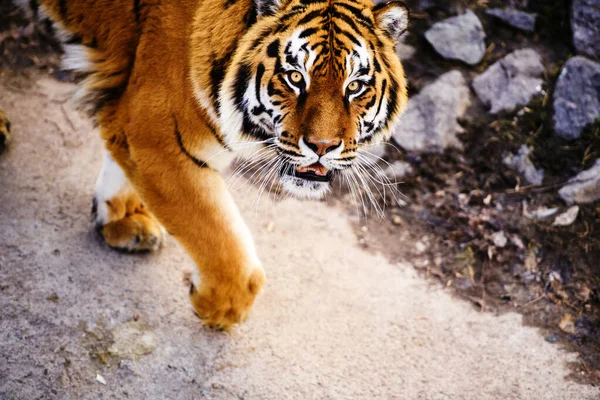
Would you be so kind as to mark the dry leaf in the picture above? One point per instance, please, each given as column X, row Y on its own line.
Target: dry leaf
column 567, row 324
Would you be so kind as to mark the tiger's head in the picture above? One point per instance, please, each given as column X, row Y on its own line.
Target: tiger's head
column 316, row 81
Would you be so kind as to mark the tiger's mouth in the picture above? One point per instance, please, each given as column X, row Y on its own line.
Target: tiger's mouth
column 315, row 172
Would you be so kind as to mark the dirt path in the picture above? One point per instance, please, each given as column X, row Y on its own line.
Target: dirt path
column 334, row 322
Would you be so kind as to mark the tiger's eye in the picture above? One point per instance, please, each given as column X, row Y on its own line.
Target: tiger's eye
column 354, row 87
column 295, row 77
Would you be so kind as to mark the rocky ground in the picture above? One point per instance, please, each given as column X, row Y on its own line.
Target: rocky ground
column 497, row 155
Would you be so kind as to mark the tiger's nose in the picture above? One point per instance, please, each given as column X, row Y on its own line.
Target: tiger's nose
column 322, row 146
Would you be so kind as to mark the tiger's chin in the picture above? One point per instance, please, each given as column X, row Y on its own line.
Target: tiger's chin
column 306, row 183
column 304, row 189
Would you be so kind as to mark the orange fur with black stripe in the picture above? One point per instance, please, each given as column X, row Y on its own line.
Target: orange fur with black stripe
column 179, row 88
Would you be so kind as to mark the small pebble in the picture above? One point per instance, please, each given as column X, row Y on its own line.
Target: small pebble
column 100, row 379
column 552, row 338
column 499, row 239
column 270, row 226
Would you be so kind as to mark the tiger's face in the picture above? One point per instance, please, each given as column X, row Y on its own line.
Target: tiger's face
column 315, row 82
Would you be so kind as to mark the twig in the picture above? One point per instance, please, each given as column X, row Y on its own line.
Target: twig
column 60, row 129
column 62, row 107
column 37, row 93
column 533, row 301
column 532, row 189
column 23, row 91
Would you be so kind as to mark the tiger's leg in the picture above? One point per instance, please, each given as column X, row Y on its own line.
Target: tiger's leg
column 120, row 216
column 192, row 202
column 4, row 131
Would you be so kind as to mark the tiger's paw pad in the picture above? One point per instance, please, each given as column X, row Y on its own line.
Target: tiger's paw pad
column 133, row 230
column 227, row 303
column 4, row 131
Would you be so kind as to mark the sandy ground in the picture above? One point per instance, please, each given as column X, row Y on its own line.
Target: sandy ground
column 335, row 322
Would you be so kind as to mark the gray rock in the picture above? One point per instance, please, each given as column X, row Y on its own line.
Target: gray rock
column 429, row 123
column 522, row 164
column 398, row 170
column 584, row 187
column 459, row 38
column 585, row 23
column 403, row 50
column 567, row 218
column 576, row 97
column 519, row 19
column 511, row 81
column 499, row 239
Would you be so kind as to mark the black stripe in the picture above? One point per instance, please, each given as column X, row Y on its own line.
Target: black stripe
column 251, row 16
column 260, row 38
column 292, row 145
column 349, row 21
column 364, row 70
column 218, row 136
column 75, row 39
column 273, row 49
column 369, row 126
column 196, row 161
column 217, row 74
column 240, row 85
column 376, row 64
column 342, row 32
column 308, row 32
column 285, row 18
column 292, row 61
column 311, row 15
column 339, row 44
column 62, row 9
column 309, row 2
column 252, row 130
column 273, row 91
column 136, row 10
column 260, row 71
column 34, row 5
column 393, row 103
column 383, row 87
column 289, row 152
column 104, row 97
column 371, row 102
column 356, row 13
column 297, row 8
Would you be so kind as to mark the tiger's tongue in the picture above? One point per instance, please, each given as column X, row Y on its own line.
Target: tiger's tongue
column 317, row 168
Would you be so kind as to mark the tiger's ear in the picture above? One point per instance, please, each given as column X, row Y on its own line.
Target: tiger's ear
column 268, row 7
column 392, row 18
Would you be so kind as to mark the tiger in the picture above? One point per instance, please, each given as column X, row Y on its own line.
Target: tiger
column 179, row 89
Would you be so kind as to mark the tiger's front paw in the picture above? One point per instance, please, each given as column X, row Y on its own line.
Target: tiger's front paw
column 4, row 131
column 126, row 225
column 220, row 304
